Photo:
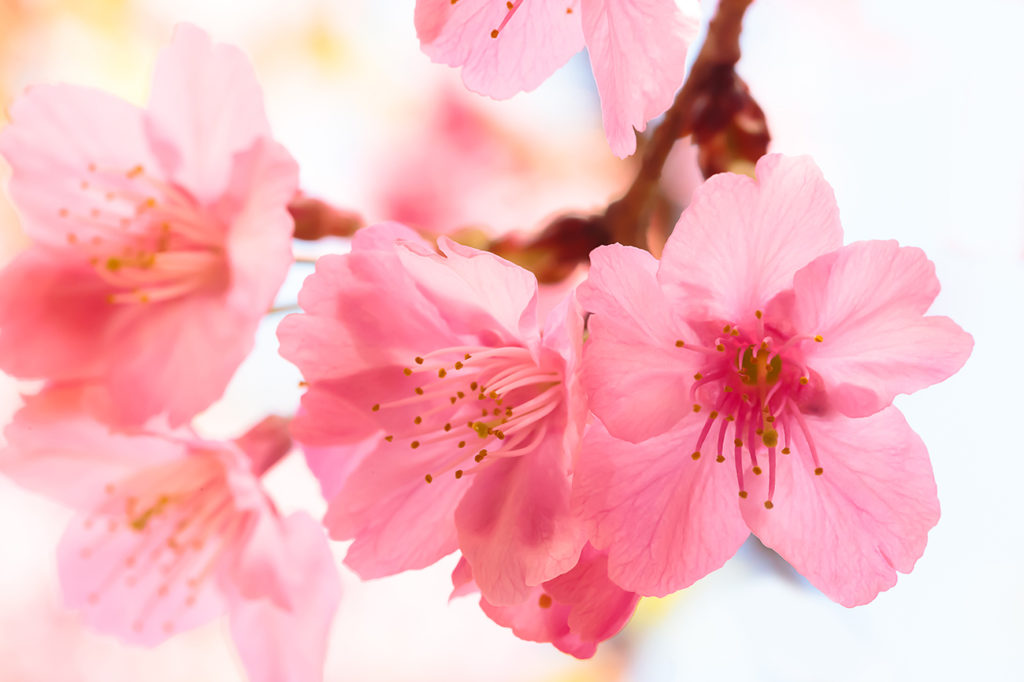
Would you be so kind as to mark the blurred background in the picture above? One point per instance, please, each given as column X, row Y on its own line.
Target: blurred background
column 914, row 111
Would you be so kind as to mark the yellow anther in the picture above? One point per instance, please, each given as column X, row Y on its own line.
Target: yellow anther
column 417, row 420
column 458, row 365
column 441, row 373
column 726, row 329
column 698, row 376
column 720, row 348
column 466, row 356
column 757, row 471
column 462, row 443
column 408, row 372
column 743, row 494
column 734, row 332
column 544, row 601
column 720, row 459
column 481, row 429
column 738, row 442
column 389, row 438
column 819, row 471
column 419, row 360
column 447, row 427
column 730, row 418
column 500, row 435
column 419, row 391
column 458, row 473
column 695, row 456
column 494, row 33
column 415, row 444
column 785, row 451
column 696, row 408
column 376, row 407
column 452, row 399
column 714, row 414
column 728, row 389
column 428, row 478
column 757, row 314
column 460, row 394
column 768, row 504
column 804, row 381
column 819, row 338
column 473, row 386
column 680, row 343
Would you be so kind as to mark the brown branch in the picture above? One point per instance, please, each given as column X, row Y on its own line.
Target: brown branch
column 626, row 218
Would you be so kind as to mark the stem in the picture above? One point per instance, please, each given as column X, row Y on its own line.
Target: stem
column 626, row 218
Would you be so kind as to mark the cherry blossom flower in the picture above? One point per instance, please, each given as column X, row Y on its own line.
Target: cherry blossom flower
column 761, row 357
column 575, row 611
column 637, row 50
column 160, row 236
column 173, row 531
column 474, row 410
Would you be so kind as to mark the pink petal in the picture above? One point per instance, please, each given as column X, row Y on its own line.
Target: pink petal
column 55, row 448
column 206, row 105
column 564, row 333
column 178, row 357
column 261, row 564
column 538, row 39
column 575, row 611
column 631, row 361
column 600, row 608
column 664, row 519
column 266, row 442
column 868, row 300
column 332, row 465
column 399, row 521
column 515, row 525
column 278, row 644
column 53, row 315
column 462, row 580
column 468, row 281
column 741, row 240
column 254, row 206
column 866, row 517
column 638, row 55
column 350, row 301
column 56, row 133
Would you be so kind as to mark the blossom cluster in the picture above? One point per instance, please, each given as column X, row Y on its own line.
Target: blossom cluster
column 621, row 442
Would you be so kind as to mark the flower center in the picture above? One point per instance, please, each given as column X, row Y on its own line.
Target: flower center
column 472, row 404
column 756, row 385
column 149, row 240
column 180, row 519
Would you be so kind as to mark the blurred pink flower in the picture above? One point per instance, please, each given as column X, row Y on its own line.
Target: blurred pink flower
column 637, row 50
column 455, row 165
column 173, row 531
column 160, row 236
column 759, row 335
column 475, row 410
column 575, row 611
